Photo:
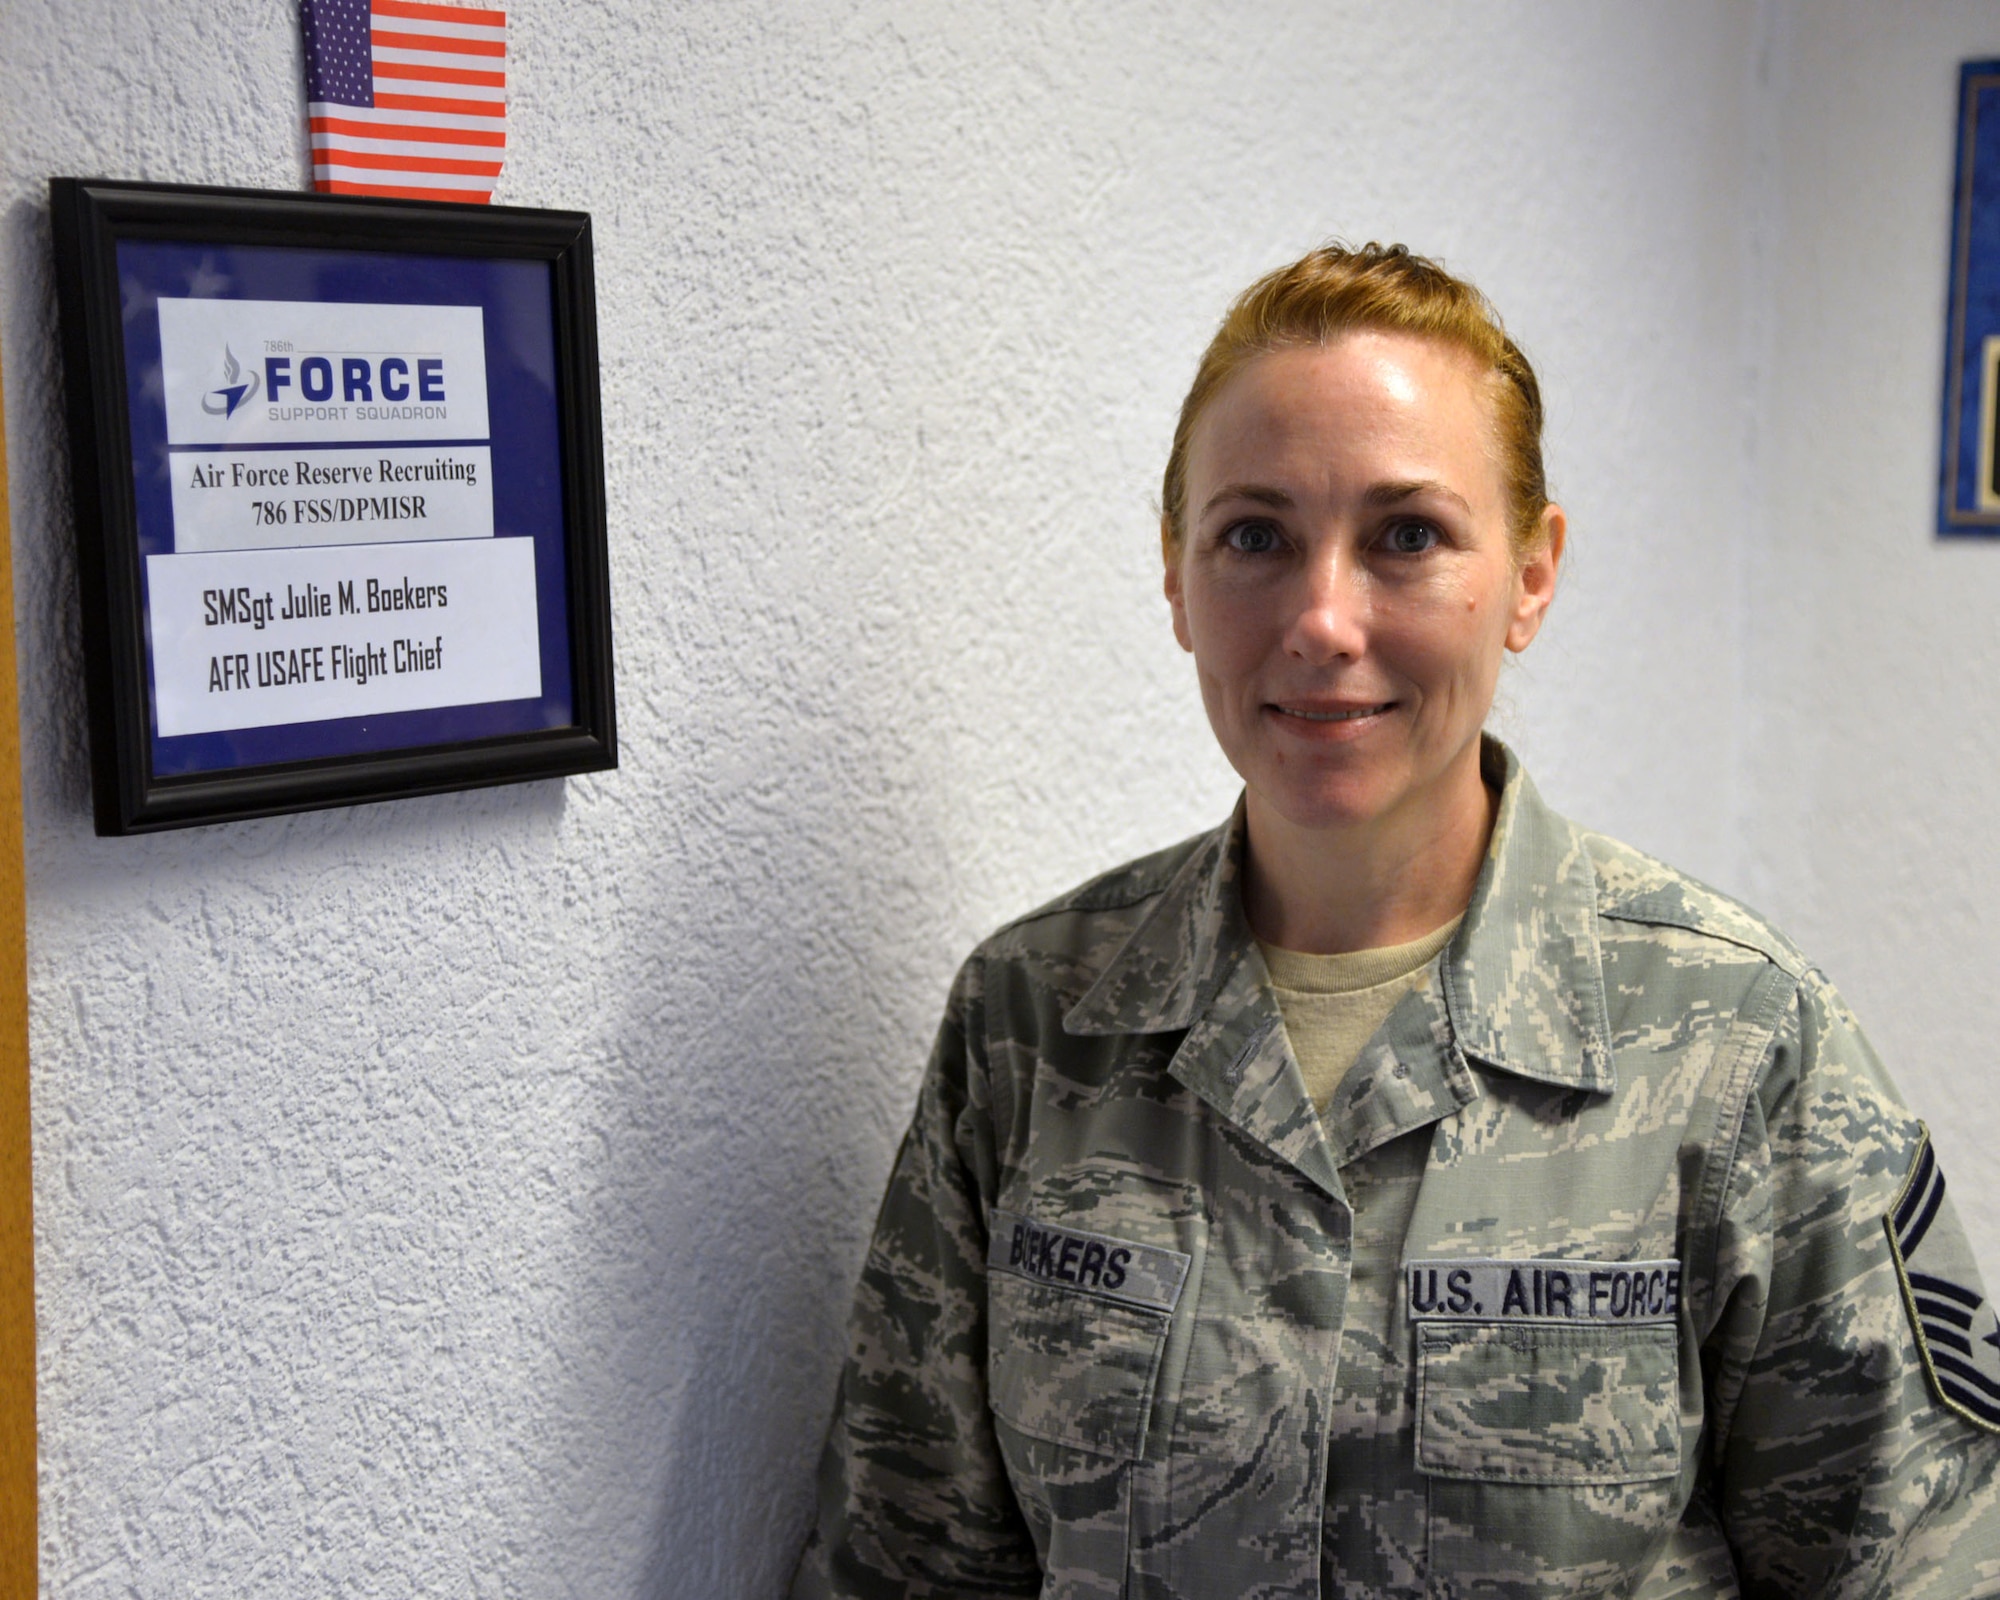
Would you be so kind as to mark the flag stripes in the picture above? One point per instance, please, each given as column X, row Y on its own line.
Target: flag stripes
column 407, row 132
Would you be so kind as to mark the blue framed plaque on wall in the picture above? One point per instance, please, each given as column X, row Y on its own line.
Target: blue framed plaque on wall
column 1969, row 467
column 339, row 491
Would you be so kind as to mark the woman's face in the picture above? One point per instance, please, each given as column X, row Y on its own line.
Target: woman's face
column 1346, row 584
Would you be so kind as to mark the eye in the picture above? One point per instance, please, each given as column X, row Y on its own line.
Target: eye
column 1253, row 538
column 1411, row 538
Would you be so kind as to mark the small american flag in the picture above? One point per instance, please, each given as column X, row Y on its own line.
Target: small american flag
column 406, row 98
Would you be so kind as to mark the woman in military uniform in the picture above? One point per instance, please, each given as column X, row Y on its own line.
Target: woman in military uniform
column 1400, row 1190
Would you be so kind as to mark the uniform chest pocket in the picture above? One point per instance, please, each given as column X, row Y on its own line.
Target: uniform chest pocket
column 1071, row 1368
column 1530, row 1402
column 1078, row 1319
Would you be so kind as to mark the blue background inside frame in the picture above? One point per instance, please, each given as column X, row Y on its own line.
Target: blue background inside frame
column 518, row 300
column 1973, row 311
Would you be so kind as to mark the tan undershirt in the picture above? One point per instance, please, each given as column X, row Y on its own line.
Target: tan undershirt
column 1332, row 1005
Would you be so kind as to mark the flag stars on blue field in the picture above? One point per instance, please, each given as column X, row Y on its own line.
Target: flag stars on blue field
column 340, row 66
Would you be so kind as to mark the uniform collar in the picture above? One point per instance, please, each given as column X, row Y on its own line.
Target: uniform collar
column 1523, row 979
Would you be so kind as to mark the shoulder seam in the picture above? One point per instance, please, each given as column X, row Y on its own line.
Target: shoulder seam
column 1797, row 969
column 1651, row 893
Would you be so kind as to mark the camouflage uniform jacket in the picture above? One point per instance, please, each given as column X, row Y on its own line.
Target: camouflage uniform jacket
column 1594, row 1279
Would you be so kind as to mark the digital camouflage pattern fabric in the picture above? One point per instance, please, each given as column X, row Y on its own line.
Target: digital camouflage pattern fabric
column 1585, row 1284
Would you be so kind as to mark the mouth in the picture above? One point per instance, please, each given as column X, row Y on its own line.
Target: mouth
column 1336, row 713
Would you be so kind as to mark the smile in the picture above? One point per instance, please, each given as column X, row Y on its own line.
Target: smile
column 1336, row 716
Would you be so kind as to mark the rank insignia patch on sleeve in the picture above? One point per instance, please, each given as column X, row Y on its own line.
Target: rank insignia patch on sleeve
column 1957, row 1328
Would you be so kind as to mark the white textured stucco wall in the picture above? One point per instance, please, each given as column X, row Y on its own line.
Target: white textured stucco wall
column 460, row 1197
column 1873, row 765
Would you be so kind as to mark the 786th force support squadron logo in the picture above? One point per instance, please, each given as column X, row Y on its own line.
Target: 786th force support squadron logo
column 236, row 389
column 1957, row 1328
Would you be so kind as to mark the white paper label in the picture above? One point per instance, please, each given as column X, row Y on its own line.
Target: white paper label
column 281, row 499
column 308, row 371
column 255, row 638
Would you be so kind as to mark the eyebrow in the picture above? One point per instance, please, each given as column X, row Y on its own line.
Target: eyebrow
column 1258, row 493
column 1389, row 494
column 1377, row 495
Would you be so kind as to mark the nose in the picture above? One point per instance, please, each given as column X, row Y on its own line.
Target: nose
column 1329, row 619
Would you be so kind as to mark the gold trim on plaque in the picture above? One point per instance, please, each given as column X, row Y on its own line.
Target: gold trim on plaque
column 1984, row 493
column 19, row 1579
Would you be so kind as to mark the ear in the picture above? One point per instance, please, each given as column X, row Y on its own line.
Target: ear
column 1535, row 583
column 1170, row 560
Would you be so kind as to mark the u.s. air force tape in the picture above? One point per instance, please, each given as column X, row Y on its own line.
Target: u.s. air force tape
column 1092, row 1263
column 1576, row 1291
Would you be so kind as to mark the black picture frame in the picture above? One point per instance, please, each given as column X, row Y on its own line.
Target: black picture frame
column 146, row 777
column 1969, row 438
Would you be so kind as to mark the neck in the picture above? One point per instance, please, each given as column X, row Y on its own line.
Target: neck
column 1392, row 879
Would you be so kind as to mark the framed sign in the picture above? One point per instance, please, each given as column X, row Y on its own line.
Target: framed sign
column 1969, row 468
column 339, row 498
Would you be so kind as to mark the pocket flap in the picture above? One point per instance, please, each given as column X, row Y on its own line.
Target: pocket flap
column 1522, row 1402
